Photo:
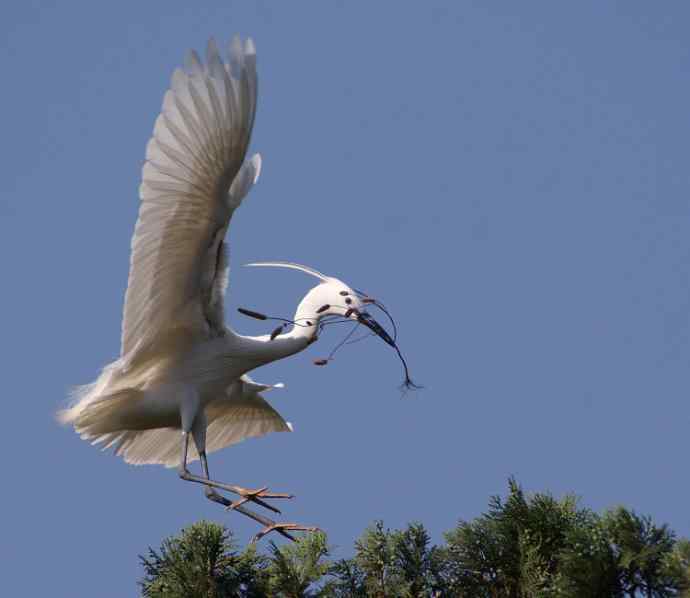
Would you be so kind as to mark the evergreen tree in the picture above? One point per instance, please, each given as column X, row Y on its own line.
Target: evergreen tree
column 513, row 550
column 538, row 546
column 588, row 566
column 523, row 547
column 399, row 564
column 347, row 580
column 295, row 569
column 375, row 557
column 202, row 562
column 644, row 553
column 416, row 563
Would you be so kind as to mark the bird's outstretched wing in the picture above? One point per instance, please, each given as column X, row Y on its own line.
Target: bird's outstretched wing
column 193, row 180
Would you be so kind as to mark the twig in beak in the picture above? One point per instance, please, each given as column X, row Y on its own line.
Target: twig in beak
column 252, row 314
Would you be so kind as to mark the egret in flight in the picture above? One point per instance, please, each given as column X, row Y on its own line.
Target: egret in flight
column 182, row 371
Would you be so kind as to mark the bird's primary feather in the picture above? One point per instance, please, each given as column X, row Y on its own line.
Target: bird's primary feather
column 192, row 181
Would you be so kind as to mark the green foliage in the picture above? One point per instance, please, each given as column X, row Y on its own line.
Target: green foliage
column 399, row 564
column 623, row 554
column 524, row 546
column 347, row 580
column 539, row 546
column 643, row 552
column 587, row 564
column 375, row 557
column 512, row 550
column 413, row 561
column 677, row 565
column 295, row 568
column 202, row 562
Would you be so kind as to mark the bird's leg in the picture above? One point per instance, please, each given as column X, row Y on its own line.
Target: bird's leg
column 211, row 494
column 269, row 524
column 193, row 420
column 245, row 493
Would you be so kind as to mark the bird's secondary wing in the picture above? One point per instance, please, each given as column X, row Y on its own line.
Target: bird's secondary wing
column 193, row 180
column 240, row 415
column 244, row 415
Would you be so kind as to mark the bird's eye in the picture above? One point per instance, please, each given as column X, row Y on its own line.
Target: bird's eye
column 348, row 300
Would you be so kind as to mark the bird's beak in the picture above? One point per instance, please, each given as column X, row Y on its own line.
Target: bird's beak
column 365, row 318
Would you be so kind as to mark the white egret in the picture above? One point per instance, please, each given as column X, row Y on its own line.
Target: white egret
column 181, row 370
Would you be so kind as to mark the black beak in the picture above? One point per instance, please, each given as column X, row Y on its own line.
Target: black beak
column 364, row 318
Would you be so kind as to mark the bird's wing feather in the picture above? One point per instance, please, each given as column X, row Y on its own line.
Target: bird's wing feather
column 229, row 422
column 192, row 181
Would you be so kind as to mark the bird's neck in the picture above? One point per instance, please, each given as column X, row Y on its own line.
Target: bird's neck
column 265, row 350
column 304, row 332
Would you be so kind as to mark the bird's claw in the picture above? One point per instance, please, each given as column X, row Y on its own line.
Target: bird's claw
column 256, row 496
column 283, row 529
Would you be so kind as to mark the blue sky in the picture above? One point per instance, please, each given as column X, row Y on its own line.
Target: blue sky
column 509, row 178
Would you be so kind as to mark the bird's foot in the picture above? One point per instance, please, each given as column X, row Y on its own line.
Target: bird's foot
column 283, row 529
column 255, row 496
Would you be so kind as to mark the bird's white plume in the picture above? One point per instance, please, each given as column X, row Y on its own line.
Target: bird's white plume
column 293, row 266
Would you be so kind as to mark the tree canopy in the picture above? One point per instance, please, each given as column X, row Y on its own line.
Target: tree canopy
column 523, row 546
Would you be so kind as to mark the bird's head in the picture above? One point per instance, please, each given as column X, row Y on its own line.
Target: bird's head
column 332, row 302
column 332, row 297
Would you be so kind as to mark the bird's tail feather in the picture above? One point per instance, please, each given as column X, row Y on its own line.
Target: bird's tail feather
column 82, row 396
column 106, row 415
column 78, row 400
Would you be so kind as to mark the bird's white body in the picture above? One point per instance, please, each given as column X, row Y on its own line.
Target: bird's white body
column 136, row 405
column 182, row 372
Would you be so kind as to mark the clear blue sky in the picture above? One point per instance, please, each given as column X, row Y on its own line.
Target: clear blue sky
column 510, row 178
